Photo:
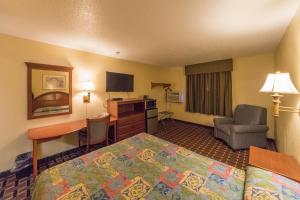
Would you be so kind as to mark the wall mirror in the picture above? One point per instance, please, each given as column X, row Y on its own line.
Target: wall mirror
column 49, row 90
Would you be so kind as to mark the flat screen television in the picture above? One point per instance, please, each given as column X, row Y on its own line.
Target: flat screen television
column 117, row 82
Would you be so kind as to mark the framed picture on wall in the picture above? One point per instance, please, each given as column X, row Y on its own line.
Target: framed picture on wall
column 54, row 82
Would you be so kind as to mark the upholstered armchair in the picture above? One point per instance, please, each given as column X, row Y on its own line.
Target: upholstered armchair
column 247, row 127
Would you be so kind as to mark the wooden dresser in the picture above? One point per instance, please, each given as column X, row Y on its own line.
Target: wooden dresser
column 130, row 115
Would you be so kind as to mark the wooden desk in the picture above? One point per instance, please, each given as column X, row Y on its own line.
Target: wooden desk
column 47, row 133
column 278, row 163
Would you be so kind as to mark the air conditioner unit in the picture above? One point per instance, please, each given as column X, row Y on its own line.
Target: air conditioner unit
column 174, row 97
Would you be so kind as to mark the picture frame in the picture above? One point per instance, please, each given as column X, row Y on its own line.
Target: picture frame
column 54, row 82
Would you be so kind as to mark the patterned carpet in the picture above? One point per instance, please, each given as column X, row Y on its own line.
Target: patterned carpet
column 200, row 139
column 196, row 138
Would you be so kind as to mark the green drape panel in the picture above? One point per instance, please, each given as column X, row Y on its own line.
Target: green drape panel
column 209, row 67
column 209, row 93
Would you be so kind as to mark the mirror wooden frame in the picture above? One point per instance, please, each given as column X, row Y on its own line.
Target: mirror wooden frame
column 30, row 67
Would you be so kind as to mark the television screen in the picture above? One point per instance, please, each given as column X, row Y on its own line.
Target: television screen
column 116, row 82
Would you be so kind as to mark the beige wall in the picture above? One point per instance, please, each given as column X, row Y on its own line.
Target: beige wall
column 13, row 103
column 248, row 76
column 287, row 59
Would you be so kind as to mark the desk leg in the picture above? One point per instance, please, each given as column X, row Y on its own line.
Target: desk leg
column 35, row 157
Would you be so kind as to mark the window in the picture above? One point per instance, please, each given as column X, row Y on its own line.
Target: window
column 209, row 88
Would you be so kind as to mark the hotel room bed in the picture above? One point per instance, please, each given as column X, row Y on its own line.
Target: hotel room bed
column 146, row 167
column 141, row 167
column 262, row 184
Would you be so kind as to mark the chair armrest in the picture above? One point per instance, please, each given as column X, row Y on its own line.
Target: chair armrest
column 249, row 128
column 224, row 120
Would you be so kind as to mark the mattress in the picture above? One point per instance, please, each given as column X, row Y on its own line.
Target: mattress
column 262, row 184
column 141, row 167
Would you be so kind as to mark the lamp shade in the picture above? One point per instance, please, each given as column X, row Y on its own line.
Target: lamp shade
column 279, row 83
column 87, row 86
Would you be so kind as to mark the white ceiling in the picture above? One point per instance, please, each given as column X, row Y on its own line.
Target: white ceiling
column 161, row 32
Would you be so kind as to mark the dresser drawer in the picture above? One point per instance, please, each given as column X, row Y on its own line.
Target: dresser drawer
column 132, row 127
column 131, row 119
column 129, row 134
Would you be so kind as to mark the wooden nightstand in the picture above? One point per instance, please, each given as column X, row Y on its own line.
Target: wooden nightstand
column 278, row 163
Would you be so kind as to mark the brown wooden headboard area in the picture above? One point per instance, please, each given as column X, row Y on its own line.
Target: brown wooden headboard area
column 50, row 99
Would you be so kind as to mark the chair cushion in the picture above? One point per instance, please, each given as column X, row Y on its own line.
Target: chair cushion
column 225, row 128
column 249, row 128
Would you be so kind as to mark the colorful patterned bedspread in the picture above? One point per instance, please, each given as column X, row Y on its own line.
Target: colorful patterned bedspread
column 261, row 184
column 141, row 167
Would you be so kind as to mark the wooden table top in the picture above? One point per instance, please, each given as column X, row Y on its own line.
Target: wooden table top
column 57, row 130
column 278, row 163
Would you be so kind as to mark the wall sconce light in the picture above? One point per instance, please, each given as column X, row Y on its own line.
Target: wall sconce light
column 280, row 83
column 87, row 87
